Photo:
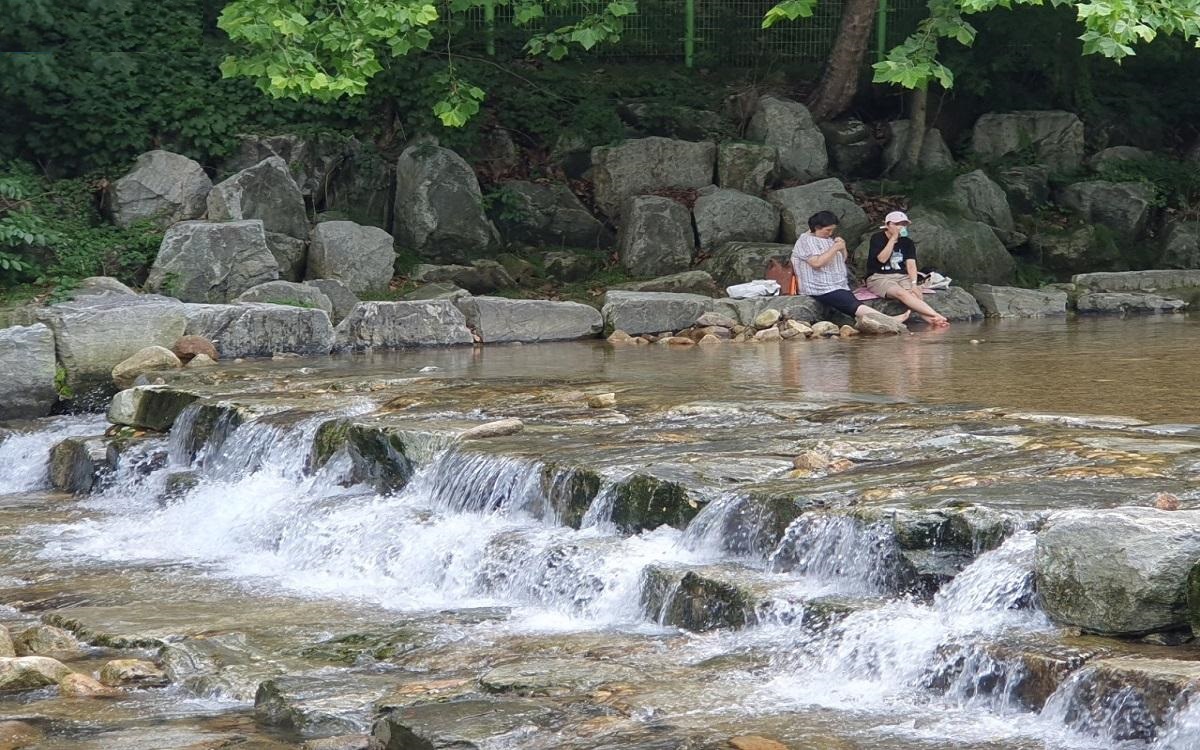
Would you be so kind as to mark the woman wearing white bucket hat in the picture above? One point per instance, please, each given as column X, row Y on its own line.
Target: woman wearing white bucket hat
column 892, row 268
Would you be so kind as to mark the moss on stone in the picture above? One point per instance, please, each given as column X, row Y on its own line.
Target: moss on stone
column 645, row 502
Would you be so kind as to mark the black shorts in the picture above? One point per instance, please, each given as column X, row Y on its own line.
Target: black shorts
column 842, row 300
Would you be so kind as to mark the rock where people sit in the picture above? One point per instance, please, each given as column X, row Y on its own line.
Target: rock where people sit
column 499, row 320
column 652, row 312
column 748, row 167
column 265, row 191
column 797, row 204
column 439, row 206
column 150, row 359
column 27, row 369
column 163, row 187
column 1117, row 571
column 723, row 216
column 647, row 165
column 967, row 251
column 1012, row 302
column 201, row 261
column 656, row 236
column 288, row 293
column 395, row 325
column 361, row 257
column 1055, row 137
column 789, row 127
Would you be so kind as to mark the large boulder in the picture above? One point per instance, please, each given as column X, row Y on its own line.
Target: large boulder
column 164, row 187
column 789, row 127
column 1116, row 155
column 1056, row 138
column 99, row 285
column 852, row 147
column 541, row 214
column 724, row 216
column 1118, row 571
column 797, row 204
column 498, row 320
column 1012, row 302
column 261, row 330
column 647, row 165
column 966, row 251
column 481, row 277
column 265, row 191
column 291, row 255
column 652, row 312
column 77, row 465
column 288, row 293
column 1027, row 187
column 1181, row 245
column 93, row 334
column 150, row 359
column 1123, row 207
column 27, row 368
column 935, row 154
column 688, row 282
column 748, row 167
column 439, row 207
column 1074, row 250
column 983, row 200
column 739, row 262
column 361, row 257
column 1126, row 303
column 656, row 236
column 565, row 265
column 341, row 298
column 205, row 262
column 395, row 325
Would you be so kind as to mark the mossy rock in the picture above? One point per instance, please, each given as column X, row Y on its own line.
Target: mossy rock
column 570, row 491
column 644, row 502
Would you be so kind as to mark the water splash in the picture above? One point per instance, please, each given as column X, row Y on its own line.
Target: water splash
column 858, row 558
column 25, row 456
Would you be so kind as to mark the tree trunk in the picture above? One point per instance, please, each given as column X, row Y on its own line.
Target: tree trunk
column 839, row 81
column 918, row 104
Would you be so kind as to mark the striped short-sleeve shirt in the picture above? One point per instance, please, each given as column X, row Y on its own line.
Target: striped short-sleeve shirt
column 829, row 277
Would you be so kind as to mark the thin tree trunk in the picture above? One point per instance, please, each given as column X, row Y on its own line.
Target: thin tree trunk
column 918, row 105
column 839, row 81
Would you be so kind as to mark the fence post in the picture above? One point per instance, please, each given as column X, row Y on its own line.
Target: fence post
column 689, row 38
column 489, row 26
column 881, row 31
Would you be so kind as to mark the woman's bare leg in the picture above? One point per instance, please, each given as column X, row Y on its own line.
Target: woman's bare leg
column 864, row 310
column 913, row 301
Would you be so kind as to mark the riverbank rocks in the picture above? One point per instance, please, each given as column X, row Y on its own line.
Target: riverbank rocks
column 1126, row 303
column 288, row 293
column 261, row 330
column 564, row 265
column 341, row 298
column 202, row 261
column 77, row 465
column 439, row 206
column 935, row 155
column 149, row 407
column 394, row 325
column 789, row 127
column 1027, row 187
column 747, row 167
column 1072, row 250
column 27, row 369
column 648, row 165
column 656, row 236
column 6, row 643
column 1011, row 302
column 797, row 204
column 291, row 255
column 1120, row 571
column 481, row 277
column 468, row 723
column 132, row 673
column 499, row 320
column 1123, row 207
column 880, row 325
column 983, row 200
column 150, row 359
column 739, row 262
column 1181, row 245
column 437, row 290
column 30, row 673
column 724, row 216
column 363, row 258
column 164, row 187
column 266, row 192
column 1130, row 699
column 688, row 282
column 853, row 151
column 93, row 335
column 1114, row 155
column 1161, row 281
column 1055, row 137
column 549, row 214
column 652, row 312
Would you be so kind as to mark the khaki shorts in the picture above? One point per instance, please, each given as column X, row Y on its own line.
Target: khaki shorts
column 883, row 283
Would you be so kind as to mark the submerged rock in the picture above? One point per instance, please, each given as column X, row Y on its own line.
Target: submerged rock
column 30, row 673
column 1125, row 698
column 47, row 640
column 555, row 677
column 471, row 724
column 643, row 502
column 132, row 673
column 322, row 702
column 82, row 686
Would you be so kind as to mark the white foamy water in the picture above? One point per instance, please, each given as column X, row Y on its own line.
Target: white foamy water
column 25, row 456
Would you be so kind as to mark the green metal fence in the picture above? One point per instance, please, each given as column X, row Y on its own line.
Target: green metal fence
column 717, row 32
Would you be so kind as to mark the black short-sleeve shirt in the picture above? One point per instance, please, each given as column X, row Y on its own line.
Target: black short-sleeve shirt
column 904, row 249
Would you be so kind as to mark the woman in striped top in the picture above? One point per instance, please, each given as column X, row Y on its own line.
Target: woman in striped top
column 819, row 260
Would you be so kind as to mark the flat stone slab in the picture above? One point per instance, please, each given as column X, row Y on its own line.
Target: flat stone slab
column 499, row 320
column 395, row 325
column 463, row 725
column 1139, row 281
column 261, row 330
column 1123, row 303
column 1013, row 302
column 652, row 312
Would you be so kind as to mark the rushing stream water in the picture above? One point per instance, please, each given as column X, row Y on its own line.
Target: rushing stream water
column 477, row 532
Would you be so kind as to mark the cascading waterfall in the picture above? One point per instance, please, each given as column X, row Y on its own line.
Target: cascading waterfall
column 25, row 456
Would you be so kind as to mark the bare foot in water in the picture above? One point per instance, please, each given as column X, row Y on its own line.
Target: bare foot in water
column 937, row 321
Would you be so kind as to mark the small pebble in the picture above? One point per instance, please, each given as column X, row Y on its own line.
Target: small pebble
column 974, row 341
